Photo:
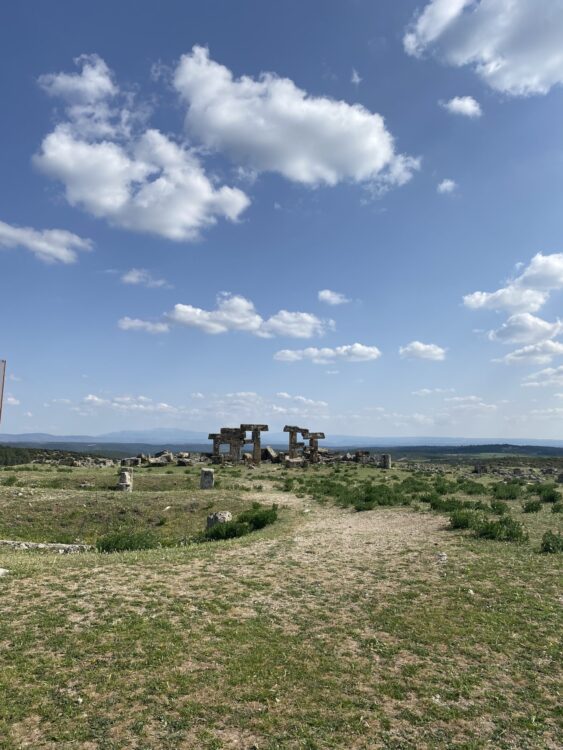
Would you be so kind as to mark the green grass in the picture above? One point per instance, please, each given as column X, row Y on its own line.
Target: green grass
column 327, row 629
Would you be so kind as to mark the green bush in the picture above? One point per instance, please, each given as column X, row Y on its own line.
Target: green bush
column 121, row 541
column 551, row 542
column 557, row 508
column 506, row 529
column 229, row 530
column 10, row 481
column 509, row 491
column 532, row 506
column 258, row 517
column 499, row 507
column 549, row 494
column 464, row 519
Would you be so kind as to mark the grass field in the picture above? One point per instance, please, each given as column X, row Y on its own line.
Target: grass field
column 329, row 629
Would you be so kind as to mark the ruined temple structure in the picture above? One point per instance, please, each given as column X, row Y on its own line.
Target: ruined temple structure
column 235, row 438
column 294, row 444
column 313, row 452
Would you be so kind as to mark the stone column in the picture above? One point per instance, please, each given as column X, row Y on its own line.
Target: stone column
column 125, row 483
column 386, row 461
column 255, row 429
column 314, row 438
column 207, row 479
column 294, row 445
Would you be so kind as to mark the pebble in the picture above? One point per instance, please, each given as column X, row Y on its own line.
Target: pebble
column 3, row 572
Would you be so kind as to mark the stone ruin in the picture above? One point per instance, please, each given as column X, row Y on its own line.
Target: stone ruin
column 125, row 483
column 235, row 438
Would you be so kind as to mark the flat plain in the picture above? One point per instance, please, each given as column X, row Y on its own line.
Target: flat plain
column 335, row 627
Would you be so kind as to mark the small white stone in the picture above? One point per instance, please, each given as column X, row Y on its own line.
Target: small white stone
column 3, row 572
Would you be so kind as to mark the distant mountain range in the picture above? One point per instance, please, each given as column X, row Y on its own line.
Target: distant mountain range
column 163, row 437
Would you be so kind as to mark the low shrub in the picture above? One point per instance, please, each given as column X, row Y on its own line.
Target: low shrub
column 229, row 530
column 508, row 491
column 464, row 519
column 499, row 507
column 557, row 508
column 532, row 506
column 10, row 481
column 549, row 494
column 551, row 542
column 506, row 529
column 258, row 517
column 121, row 541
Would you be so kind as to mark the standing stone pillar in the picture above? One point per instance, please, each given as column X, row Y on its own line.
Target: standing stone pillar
column 255, row 429
column 294, row 445
column 386, row 461
column 125, row 483
column 314, row 438
column 207, row 479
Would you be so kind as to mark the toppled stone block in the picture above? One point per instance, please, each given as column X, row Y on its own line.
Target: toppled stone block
column 294, row 463
column 207, row 479
column 221, row 516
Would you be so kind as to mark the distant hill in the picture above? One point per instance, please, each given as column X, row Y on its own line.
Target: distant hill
column 168, row 437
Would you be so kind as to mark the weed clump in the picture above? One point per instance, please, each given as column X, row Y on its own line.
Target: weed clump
column 549, row 494
column 246, row 522
column 532, row 506
column 551, row 542
column 506, row 529
column 508, row 491
column 557, row 508
column 499, row 507
column 465, row 519
column 122, row 541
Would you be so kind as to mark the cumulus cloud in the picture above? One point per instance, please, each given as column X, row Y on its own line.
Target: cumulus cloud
column 49, row 245
column 142, row 277
column 418, row 350
column 551, row 376
column 355, row 78
column 236, row 313
column 528, row 292
column 466, row 106
column 12, row 400
column 534, row 354
column 447, row 186
column 431, row 391
column 136, row 324
column 513, row 45
column 301, row 399
column 130, row 404
column 525, row 328
column 326, row 355
column 270, row 125
column 332, row 298
column 114, row 169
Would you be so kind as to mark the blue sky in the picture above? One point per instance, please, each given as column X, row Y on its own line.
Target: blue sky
column 340, row 214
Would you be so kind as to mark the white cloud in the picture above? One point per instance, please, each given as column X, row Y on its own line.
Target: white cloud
column 142, row 277
column 301, row 400
column 130, row 404
column 326, row 355
column 12, row 400
column 528, row 292
column 418, row 350
column 355, row 78
column 236, row 313
column 49, row 245
column 431, row 391
column 332, row 298
column 524, row 328
column 513, row 45
column 93, row 84
column 447, row 186
column 136, row 324
column 466, row 106
column 534, row 354
column 269, row 124
column 551, row 376
column 110, row 167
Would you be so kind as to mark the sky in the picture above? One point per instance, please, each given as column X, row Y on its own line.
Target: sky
column 340, row 214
